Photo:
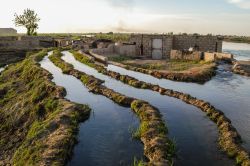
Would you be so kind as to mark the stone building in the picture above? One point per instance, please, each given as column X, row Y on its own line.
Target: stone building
column 8, row 32
column 160, row 46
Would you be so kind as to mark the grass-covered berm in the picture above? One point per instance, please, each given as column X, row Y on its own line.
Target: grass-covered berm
column 158, row 149
column 37, row 125
column 229, row 139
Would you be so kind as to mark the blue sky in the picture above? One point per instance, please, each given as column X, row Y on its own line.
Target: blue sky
column 149, row 16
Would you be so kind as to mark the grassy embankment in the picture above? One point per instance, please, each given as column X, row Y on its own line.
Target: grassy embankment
column 229, row 139
column 38, row 126
column 152, row 131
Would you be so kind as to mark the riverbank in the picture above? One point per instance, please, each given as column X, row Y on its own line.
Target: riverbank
column 229, row 139
column 38, row 126
column 152, row 131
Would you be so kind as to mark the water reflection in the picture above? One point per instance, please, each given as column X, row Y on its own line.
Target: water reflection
column 105, row 138
column 196, row 136
column 227, row 91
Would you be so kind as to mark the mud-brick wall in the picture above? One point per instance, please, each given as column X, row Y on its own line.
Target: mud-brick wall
column 203, row 43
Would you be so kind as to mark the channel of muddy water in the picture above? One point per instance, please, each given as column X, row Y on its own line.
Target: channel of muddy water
column 227, row 91
column 105, row 139
column 195, row 135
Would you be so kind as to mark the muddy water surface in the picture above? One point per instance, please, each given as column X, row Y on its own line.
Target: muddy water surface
column 195, row 135
column 105, row 138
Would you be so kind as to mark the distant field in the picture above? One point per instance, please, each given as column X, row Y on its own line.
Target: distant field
column 237, row 39
column 123, row 37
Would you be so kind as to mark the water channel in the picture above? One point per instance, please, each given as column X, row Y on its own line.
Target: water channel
column 227, row 91
column 105, row 138
column 194, row 133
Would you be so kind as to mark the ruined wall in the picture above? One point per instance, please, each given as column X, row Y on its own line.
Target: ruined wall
column 202, row 43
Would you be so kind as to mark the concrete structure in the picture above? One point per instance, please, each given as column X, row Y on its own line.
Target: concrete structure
column 160, row 46
column 8, row 32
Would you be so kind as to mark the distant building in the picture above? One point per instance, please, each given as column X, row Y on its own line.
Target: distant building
column 8, row 32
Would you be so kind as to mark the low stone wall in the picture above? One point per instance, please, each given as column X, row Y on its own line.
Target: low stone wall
column 208, row 56
column 197, row 55
column 182, row 55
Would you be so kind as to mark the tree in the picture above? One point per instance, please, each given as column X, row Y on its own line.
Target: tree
column 29, row 19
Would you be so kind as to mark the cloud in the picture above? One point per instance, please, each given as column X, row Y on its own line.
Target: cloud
column 121, row 3
column 244, row 4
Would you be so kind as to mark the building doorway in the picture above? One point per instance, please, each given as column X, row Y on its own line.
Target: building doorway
column 157, row 48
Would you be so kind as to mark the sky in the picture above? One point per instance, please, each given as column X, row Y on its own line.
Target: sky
column 225, row 17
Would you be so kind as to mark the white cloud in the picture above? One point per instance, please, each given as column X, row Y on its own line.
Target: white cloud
column 245, row 4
